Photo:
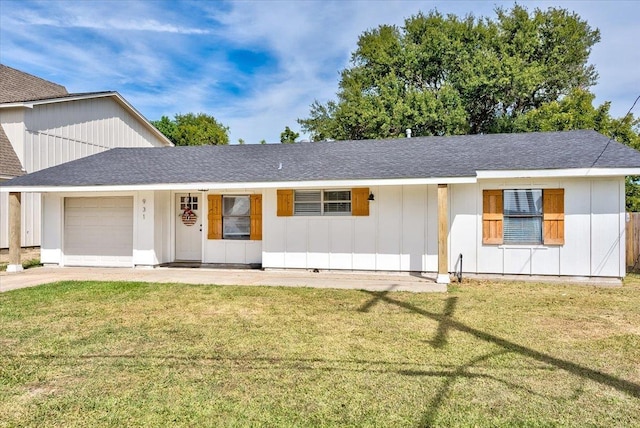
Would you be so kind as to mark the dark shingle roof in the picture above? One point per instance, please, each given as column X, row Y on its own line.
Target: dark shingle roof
column 17, row 86
column 10, row 165
column 424, row 157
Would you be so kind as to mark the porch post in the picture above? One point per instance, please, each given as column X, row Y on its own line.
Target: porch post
column 443, row 228
column 14, row 233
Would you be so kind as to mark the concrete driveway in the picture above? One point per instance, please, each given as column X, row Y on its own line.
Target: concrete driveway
column 359, row 281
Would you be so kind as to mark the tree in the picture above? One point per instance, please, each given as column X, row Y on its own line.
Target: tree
column 447, row 75
column 240, row 141
column 576, row 111
column 288, row 136
column 263, row 141
column 193, row 130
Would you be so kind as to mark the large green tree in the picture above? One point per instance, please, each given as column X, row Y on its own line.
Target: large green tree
column 443, row 75
column 193, row 129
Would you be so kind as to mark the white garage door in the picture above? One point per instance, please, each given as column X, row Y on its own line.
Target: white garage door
column 98, row 231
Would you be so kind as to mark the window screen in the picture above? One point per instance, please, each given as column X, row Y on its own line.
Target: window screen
column 236, row 217
column 337, row 202
column 317, row 202
column 523, row 216
column 307, row 202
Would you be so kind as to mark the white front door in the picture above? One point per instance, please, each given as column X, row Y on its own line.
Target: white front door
column 188, row 226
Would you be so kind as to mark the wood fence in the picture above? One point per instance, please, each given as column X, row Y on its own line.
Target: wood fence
column 633, row 242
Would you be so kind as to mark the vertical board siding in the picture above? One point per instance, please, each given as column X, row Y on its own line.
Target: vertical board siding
column 51, row 134
column 633, row 242
column 393, row 237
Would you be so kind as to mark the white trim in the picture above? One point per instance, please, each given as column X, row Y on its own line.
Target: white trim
column 14, row 268
column 568, row 172
column 242, row 186
column 443, row 278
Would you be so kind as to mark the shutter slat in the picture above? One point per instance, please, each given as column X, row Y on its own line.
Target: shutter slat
column 256, row 218
column 492, row 217
column 214, row 219
column 360, row 201
column 285, row 203
column 553, row 217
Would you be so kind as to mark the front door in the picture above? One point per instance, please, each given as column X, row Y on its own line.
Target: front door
column 188, row 227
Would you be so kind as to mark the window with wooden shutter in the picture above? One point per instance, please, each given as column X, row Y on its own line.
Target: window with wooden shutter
column 553, row 216
column 215, row 217
column 285, row 203
column 360, row 201
column 256, row 218
column 492, row 216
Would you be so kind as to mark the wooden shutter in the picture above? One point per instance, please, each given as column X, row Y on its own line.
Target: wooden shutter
column 492, row 216
column 214, row 219
column 553, row 216
column 360, row 201
column 256, row 218
column 285, row 202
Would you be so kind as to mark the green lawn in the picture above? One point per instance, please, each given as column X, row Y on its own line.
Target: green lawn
column 484, row 354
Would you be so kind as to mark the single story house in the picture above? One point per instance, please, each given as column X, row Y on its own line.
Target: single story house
column 42, row 125
column 548, row 203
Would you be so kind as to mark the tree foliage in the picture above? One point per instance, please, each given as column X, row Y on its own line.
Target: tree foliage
column 443, row 75
column 193, row 130
column 288, row 136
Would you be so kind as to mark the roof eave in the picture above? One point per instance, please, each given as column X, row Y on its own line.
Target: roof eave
column 558, row 173
column 243, row 185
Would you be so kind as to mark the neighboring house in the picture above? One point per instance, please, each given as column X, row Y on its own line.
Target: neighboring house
column 41, row 125
column 533, row 204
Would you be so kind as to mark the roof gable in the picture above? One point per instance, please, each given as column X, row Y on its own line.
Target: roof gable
column 408, row 158
column 17, row 86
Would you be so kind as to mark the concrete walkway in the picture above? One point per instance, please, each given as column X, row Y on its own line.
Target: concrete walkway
column 355, row 281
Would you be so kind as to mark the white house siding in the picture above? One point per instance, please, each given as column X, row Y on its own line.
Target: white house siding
column 51, row 134
column 162, row 226
column 400, row 234
column 594, row 231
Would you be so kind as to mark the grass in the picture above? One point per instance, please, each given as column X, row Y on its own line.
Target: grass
column 25, row 265
column 484, row 354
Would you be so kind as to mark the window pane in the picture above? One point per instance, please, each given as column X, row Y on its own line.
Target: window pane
column 236, row 227
column 306, row 208
column 337, row 207
column 523, row 202
column 235, row 205
column 339, row 195
column 522, row 230
column 307, row 196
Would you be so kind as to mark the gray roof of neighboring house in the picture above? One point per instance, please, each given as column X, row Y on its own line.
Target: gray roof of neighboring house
column 423, row 157
column 17, row 86
column 10, row 165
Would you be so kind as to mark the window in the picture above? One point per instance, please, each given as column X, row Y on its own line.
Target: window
column 523, row 216
column 236, row 217
column 353, row 202
column 188, row 203
column 322, row 202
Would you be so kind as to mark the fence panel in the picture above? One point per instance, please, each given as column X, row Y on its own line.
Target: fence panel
column 633, row 242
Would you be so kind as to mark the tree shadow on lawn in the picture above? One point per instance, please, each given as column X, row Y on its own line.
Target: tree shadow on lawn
column 446, row 323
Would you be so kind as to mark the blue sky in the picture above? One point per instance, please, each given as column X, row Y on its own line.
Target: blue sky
column 254, row 65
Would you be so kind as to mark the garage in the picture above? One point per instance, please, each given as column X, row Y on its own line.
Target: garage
column 98, row 231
